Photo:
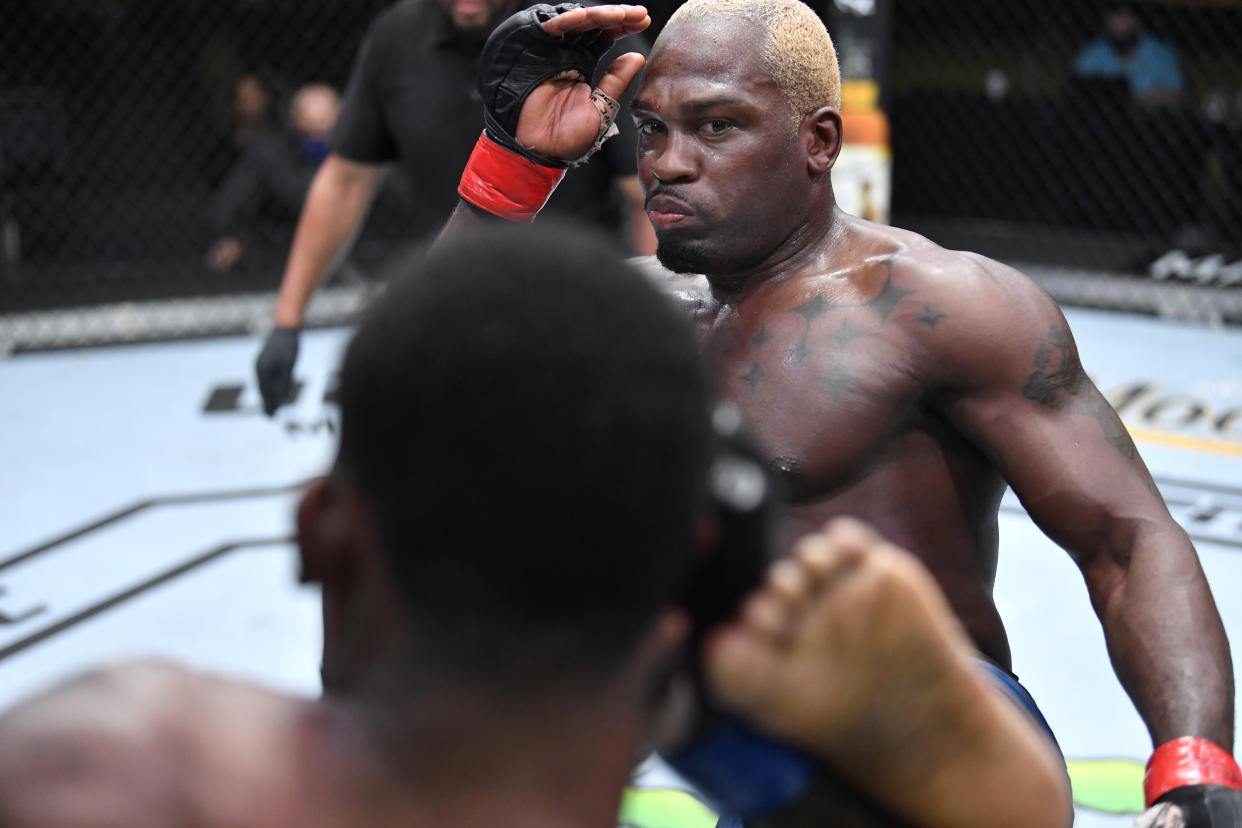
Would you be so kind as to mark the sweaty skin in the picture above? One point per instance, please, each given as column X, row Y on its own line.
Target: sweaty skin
column 904, row 384
column 151, row 743
column 890, row 379
column 799, row 661
column 834, row 372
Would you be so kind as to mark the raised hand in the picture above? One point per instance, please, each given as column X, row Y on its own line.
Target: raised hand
column 540, row 113
column 535, row 75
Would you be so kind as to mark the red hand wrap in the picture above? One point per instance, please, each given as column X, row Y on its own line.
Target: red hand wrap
column 1189, row 761
column 506, row 184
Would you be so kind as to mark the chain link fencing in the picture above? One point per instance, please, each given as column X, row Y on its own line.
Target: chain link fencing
column 120, row 124
column 1097, row 145
column 121, row 119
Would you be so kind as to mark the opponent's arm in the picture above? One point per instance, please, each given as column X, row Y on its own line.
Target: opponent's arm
column 541, row 115
column 336, row 205
column 1014, row 385
column 851, row 651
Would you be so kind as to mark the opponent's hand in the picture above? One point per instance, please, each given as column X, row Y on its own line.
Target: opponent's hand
column 846, row 630
column 274, row 367
column 1194, row 806
column 535, row 77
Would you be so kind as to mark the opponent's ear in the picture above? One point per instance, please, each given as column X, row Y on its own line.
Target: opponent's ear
column 328, row 532
column 662, row 653
column 821, row 130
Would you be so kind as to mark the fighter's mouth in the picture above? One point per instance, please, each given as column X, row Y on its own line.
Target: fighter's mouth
column 666, row 211
column 668, row 204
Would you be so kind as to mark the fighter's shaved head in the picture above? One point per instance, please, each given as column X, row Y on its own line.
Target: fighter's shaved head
column 797, row 49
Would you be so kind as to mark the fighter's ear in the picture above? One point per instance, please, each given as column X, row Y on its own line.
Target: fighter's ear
column 821, row 130
column 328, row 532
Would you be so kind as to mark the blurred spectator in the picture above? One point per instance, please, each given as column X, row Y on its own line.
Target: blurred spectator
column 1124, row 51
column 253, row 106
column 258, row 202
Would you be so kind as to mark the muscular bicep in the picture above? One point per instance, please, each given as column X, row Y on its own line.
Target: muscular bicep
column 1027, row 404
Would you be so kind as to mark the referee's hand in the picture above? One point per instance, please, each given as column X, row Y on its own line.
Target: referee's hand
column 274, row 367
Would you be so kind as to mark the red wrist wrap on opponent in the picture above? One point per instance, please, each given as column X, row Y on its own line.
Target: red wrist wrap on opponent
column 504, row 183
column 1189, row 761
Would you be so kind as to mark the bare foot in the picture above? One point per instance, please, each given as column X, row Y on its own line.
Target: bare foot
column 847, row 629
column 851, row 651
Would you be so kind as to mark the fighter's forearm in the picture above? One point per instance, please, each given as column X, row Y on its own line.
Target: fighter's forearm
column 465, row 217
column 1165, row 637
column 335, row 208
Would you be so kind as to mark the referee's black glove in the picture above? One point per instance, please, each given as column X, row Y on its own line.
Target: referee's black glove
column 274, row 367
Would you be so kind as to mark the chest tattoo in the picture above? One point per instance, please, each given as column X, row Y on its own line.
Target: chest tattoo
column 752, row 377
column 888, row 297
column 837, row 381
column 930, row 316
column 846, row 334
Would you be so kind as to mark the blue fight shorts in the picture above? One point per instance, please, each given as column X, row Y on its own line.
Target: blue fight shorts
column 1008, row 684
column 797, row 768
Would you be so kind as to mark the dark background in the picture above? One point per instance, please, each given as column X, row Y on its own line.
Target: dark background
column 110, row 111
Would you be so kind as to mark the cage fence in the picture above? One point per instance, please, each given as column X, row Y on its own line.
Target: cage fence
column 121, row 122
column 1097, row 144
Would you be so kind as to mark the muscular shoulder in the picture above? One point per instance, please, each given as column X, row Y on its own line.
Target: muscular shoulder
column 97, row 749
column 975, row 318
column 115, row 746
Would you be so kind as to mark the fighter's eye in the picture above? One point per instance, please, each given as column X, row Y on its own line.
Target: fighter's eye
column 715, row 126
column 648, row 128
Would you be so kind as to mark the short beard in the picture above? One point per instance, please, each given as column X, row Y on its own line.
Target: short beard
column 702, row 258
column 681, row 258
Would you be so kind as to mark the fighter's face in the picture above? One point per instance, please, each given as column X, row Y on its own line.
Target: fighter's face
column 477, row 15
column 717, row 155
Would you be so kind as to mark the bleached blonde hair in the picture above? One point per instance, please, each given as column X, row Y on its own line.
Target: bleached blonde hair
column 797, row 50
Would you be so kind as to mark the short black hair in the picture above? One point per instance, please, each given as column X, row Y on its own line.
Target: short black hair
column 529, row 418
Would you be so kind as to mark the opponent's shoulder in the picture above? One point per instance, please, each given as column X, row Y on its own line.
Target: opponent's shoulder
column 118, row 744
column 101, row 748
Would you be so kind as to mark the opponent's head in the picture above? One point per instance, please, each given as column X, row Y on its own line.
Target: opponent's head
column 524, row 437
column 728, row 178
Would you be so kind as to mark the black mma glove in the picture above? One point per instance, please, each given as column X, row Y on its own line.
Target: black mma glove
column 503, row 177
column 1205, row 806
column 274, row 367
column 518, row 56
column 1200, row 778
